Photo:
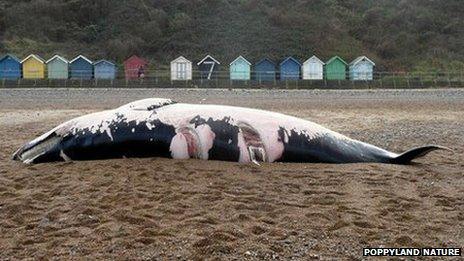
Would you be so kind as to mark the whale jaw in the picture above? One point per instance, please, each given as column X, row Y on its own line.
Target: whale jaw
column 37, row 151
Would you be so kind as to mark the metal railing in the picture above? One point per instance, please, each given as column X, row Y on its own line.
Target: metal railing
column 253, row 79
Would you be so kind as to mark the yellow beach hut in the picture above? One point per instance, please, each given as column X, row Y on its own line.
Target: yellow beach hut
column 33, row 67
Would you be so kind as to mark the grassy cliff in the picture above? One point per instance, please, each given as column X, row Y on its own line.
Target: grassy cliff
column 400, row 35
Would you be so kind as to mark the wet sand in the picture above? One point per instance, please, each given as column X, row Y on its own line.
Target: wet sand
column 190, row 209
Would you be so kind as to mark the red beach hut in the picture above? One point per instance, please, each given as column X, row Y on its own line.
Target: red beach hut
column 135, row 67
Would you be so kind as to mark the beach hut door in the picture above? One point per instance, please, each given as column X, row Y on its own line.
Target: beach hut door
column 181, row 71
column 313, row 70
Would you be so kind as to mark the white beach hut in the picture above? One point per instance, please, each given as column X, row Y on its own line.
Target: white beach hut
column 313, row 69
column 181, row 69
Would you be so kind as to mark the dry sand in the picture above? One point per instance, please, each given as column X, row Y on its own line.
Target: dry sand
column 169, row 209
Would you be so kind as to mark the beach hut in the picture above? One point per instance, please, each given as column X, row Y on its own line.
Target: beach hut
column 33, row 67
column 335, row 69
column 81, row 68
column 208, row 67
column 10, row 67
column 104, row 69
column 265, row 70
column 313, row 69
column 181, row 69
column 290, row 69
column 361, row 69
column 240, row 69
column 57, row 67
column 135, row 67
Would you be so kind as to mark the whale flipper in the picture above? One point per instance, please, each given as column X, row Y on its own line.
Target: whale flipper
column 408, row 156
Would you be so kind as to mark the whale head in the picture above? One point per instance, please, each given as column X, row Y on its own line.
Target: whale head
column 110, row 130
column 42, row 149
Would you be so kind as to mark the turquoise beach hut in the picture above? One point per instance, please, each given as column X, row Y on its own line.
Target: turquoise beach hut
column 104, row 69
column 240, row 69
column 57, row 68
column 10, row 67
column 361, row 69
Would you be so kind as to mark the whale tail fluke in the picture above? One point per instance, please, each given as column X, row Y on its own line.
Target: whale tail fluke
column 408, row 156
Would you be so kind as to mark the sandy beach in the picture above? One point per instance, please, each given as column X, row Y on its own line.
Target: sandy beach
column 165, row 209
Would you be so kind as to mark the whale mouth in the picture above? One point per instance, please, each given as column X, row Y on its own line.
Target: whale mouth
column 33, row 151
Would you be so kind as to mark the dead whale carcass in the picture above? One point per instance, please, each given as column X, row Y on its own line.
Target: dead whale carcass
column 162, row 128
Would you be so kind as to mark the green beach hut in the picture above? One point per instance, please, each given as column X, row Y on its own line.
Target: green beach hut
column 240, row 69
column 57, row 68
column 335, row 69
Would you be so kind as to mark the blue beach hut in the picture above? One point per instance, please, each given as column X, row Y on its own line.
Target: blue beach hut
column 104, row 69
column 265, row 70
column 240, row 69
column 290, row 69
column 10, row 67
column 81, row 68
column 361, row 69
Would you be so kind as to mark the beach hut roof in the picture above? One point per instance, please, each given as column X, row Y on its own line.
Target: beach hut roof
column 82, row 57
column 103, row 61
column 11, row 56
column 180, row 58
column 336, row 58
column 264, row 60
column 314, row 58
column 135, row 58
column 38, row 58
column 238, row 58
column 206, row 57
column 57, row 57
column 361, row 58
column 290, row 58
